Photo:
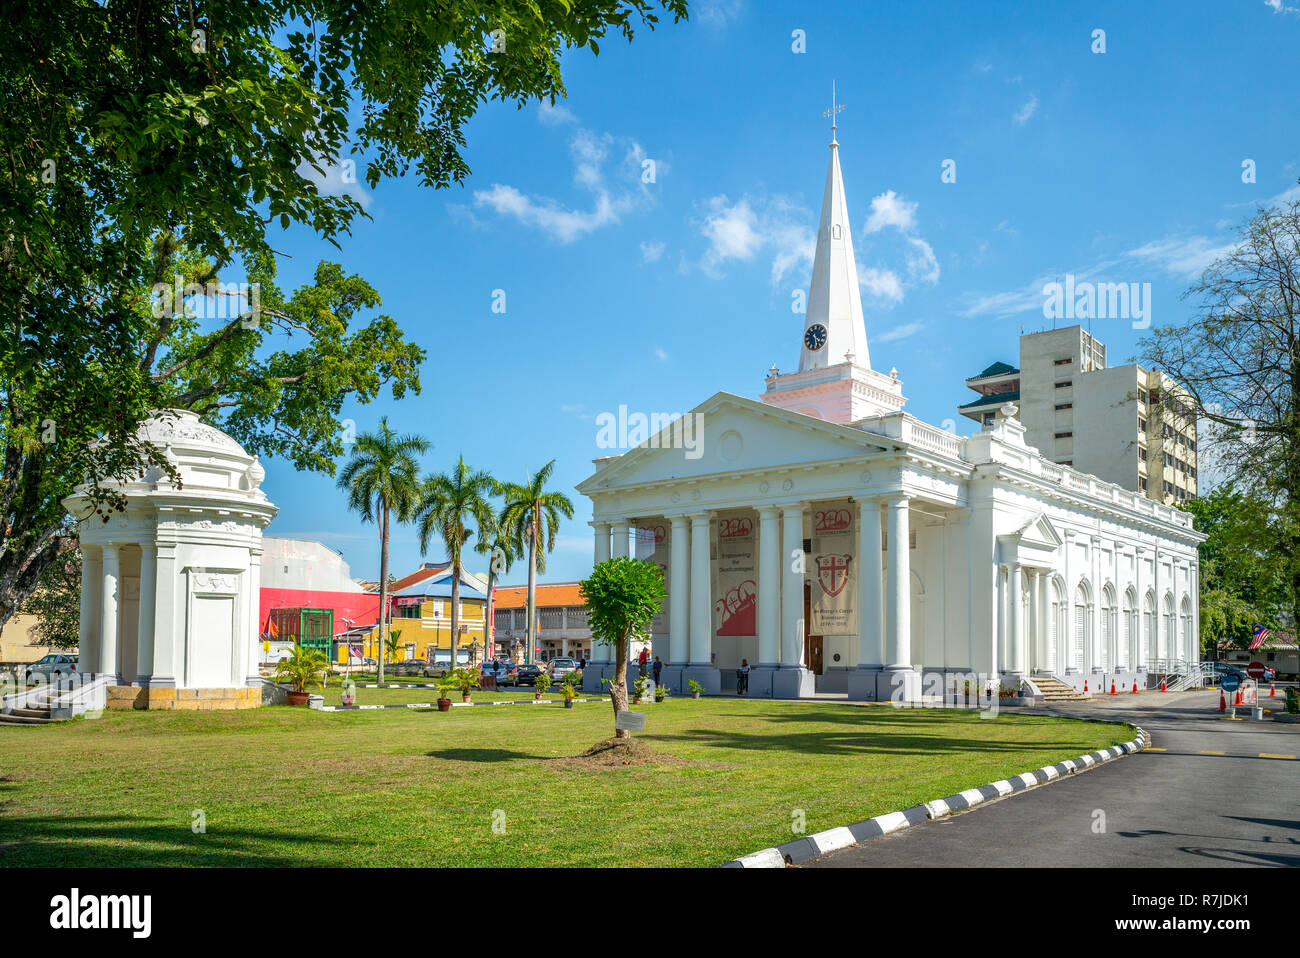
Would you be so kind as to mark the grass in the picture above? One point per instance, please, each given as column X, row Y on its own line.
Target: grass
column 289, row 787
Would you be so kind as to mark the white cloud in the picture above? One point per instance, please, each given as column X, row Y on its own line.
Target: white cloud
column 555, row 115
column 890, row 209
column 661, row 355
column 611, row 200
column 756, row 224
column 1185, row 257
column 1277, row 6
column 340, row 179
column 899, row 332
column 881, row 284
column 716, row 12
column 732, row 230
column 1021, row 116
column 651, row 251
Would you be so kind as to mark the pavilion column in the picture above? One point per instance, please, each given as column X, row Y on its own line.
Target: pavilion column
column 792, row 679
column 165, row 632
column 864, row 681
column 621, row 529
column 108, row 612
column 1094, row 640
column 248, row 673
column 601, row 531
column 904, row 683
column 88, row 638
column 1015, row 596
column 148, row 591
column 1041, row 611
column 700, row 659
column 679, row 598
column 769, row 602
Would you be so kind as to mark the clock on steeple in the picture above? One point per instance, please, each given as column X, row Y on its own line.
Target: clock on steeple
column 814, row 337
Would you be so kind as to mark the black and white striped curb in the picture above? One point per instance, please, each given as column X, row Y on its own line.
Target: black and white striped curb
column 455, row 705
column 812, row 846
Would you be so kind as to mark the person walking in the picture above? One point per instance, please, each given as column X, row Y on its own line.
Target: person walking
column 658, row 667
column 742, row 678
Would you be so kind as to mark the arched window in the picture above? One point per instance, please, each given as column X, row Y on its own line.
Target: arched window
column 1126, row 657
column 1082, row 621
column 1167, row 629
column 1149, row 626
column 1107, row 625
column 1058, row 624
column 1187, row 646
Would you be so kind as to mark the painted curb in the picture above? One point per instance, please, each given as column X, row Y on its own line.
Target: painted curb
column 813, row 846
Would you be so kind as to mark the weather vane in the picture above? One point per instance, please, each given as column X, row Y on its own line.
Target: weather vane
column 833, row 111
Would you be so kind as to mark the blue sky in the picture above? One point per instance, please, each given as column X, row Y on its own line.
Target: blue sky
column 1122, row 166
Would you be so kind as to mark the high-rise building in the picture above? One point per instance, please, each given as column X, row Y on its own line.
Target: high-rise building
column 1124, row 424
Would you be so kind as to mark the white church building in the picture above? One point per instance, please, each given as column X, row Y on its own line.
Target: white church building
column 838, row 544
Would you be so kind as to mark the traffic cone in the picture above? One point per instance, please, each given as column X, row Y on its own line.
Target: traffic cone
column 1162, row 684
column 1223, row 703
column 1112, row 687
column 1272, row 690
column 1135, row 686
column 1238, row 701
column 1085, row 686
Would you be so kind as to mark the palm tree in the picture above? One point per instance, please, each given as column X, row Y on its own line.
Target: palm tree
column 502, row 555
column 448, row 504
column 383, row 483
column 531, row 517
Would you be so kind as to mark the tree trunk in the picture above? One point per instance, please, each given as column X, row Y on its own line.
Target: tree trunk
column 383, row 591
column 618, row 687
column 489, row 626
column 532, row 591
column 455, row 608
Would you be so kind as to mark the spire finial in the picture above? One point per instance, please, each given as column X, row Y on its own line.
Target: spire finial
column 835, row 108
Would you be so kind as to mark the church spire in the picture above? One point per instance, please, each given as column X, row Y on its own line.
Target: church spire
column 833, row 326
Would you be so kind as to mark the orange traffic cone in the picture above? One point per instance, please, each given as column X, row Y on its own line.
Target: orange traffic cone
column 1112, row 687
column 1238, row 700
column 1162, row 684
column 1085, row 686
column 1135, row 686
column 1223, row 703
column 1272, row 690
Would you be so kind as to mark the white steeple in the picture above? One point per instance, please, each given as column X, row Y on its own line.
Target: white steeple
column 833, row 326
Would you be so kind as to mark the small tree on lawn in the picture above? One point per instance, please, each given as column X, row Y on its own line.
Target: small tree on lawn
column 623, row 596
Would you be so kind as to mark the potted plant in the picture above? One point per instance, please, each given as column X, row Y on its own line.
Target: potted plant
column 638, row 689
column 466, row 680
column 541, row 683
column 303, row 668
column 569, row 694
column 446, row 685
column 695, row 688
column 661, row 692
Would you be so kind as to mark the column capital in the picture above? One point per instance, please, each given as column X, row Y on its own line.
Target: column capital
column 898, row 500
column 597, row 523
column 768, row 512
column 700, row 518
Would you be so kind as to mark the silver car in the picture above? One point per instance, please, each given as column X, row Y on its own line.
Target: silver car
column 56, row 665
column 561, row 667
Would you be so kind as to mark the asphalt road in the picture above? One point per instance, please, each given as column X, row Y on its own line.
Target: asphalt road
column 1206, row 793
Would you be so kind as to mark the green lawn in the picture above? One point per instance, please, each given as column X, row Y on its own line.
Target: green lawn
column 291, row 787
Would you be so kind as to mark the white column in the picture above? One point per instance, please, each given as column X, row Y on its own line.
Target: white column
column 679, row 596
column 163, row 670
column 148, row 591
column 601, row 530
column 792, row 623
column 769, row 587
column 898, row 589
column 701, row 641
column 88, row 631
column 248, row 675
column 1094, row 561
column 1017, row 663
column 1042, row 610
column 871, row 588
column 108, row 609
column 621, row 529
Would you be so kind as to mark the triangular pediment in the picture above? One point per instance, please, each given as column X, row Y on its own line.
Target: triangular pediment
column 728, row 434
column 1039, row 532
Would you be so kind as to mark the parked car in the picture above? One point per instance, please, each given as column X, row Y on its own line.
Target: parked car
column 409, row 667
column 56, row 665
column 561, row 667
column 526, row 674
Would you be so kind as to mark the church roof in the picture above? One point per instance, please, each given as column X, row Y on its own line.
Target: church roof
column 833, row 298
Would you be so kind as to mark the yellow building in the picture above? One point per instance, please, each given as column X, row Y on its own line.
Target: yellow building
column 421, row 612
column 18, row 643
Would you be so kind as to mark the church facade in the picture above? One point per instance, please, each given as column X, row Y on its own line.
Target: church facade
column 836, row 543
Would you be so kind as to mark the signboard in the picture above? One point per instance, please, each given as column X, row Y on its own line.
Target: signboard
column 737, row 603
column 833, row 570
column 1230, row 682
column 1255, row 670
column 630, row 721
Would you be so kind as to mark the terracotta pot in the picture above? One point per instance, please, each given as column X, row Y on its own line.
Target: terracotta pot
column 568, row 703
column 636, row 700
column 695, row 695
column 538, row 696
column 464, row 696
column 298, row 698
column 444, row 705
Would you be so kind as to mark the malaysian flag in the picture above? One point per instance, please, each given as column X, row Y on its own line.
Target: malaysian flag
column 1259, row 636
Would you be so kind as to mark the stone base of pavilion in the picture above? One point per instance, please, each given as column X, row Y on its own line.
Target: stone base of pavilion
column 124, row 697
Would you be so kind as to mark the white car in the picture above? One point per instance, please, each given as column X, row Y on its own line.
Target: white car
column 55, row 666
column 561, row 667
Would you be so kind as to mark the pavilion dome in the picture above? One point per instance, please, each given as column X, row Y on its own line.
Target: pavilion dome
column 205, row 456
